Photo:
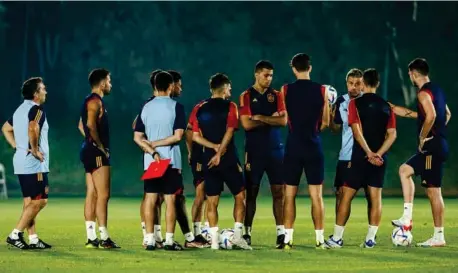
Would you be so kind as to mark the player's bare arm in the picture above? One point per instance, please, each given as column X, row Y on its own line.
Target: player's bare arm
column 249, row 124
column 430, row 116
column 7, row 131
column 188, row 138
column 199, row 139
column 278, row 119
column 326, row 112
column 175, row 138
column 93, row 112
column 448, row 114
column 358, row 135
column 143, row 143
column 81, row 128
column 34, row 135
column 214, row 161
column 391, row 135
column 403, row 111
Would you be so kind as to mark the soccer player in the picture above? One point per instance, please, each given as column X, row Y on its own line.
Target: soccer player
column 373, row 124
column 214, row 126
column 161, row 119
column 95, row 156
column 428, row 162
column 27, row 132
column 308, row 114
column 263, row 113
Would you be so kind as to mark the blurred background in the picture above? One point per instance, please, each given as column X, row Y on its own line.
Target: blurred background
column 62, row 41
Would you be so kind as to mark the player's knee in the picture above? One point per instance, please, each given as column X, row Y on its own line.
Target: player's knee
column 43, row 203
column 103, row 196
column 405, row 170
column 277, row 193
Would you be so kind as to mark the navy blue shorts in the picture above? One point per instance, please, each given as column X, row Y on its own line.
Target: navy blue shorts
column 429, row 167
column 362, row 174
column 342, row 170
column 270, row 163
column 231, row 174
column 34, row 185
column 197, row 172
column 294, row 165
column 92, row 158
column 170, row 183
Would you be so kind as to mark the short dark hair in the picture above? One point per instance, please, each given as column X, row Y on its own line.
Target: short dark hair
column 97, row 75
column 30, row 86
column 175, row 75
column 218, row 80
column 371, row 77
column 263, row 64
column 355, row 73
column 420, row 65
column 152, row 75
column 162, row 81
column 301, row 62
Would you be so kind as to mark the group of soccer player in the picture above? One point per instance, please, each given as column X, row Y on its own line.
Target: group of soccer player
column 366, row 120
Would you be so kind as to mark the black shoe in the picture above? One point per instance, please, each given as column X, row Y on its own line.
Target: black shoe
column 247, row 238
column 150, row 247
column 284, row 245
column 108, row 243
column 92, row 243
column 40, row 245
column 280, row 239
column 159, row 244
column 174, row 247
column 19, row 243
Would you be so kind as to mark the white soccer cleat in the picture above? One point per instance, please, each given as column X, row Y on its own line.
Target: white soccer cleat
column 405, row 225
column 242, row 244
column 333, row 243
column 432, row 242
column 368, row 244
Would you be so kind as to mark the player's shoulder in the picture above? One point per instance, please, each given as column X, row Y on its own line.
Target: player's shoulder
column 245, row 93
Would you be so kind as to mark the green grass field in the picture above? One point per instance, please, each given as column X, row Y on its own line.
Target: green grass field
column 62, row 225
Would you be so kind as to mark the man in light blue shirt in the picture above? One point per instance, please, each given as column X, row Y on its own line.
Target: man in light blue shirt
column 161, row 118
column 27, row 133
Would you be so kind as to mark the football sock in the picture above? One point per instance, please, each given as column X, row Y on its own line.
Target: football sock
column 169, row 238
column 439, row 233
column 158, row 233
column 90, row 230
column 319, row 235
column 280, row 230
column 144, row 229
column 289, row 235
column 238, row 229
column 407, row 215
column 197, row 228
column 189, row 237
column 15, row 234
column 103, row 233
column 372, row 231
column 33, row 239
column 338, row 232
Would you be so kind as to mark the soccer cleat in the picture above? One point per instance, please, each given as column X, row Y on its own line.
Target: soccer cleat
column 19, row 243
column 40, row 245
column 241, row 244
column 247, row 238
column 280, row 240
column 108, row 244
column 196, row 243
column 321, row 245
column 432, row 242
column 401, row 223
column 333, row 243
column 199, row 238
column 93, row 243
column 159, row 244
column 368, row 244
column 173, row 247
column 150, row 247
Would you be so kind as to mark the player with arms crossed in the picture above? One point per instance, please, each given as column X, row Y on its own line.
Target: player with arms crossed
column 95, row 156
column 27, row 132
column 428, row 162
column 373, row 124
column 214, row 126
column 308, row 114
column 161, row 119
column 263, row 113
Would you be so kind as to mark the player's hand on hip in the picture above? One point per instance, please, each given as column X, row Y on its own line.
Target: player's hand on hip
column 422, row 143
column 38, row 155
column 214, row 161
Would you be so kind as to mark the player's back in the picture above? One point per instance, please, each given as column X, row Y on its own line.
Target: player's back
column 102, row 121
column 304, row 101
column 374, row 114
column 438, row 144
column 213, row 118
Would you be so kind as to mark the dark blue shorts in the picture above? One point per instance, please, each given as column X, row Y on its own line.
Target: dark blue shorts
column 197, row 172
column 170, row 183
column 231, row 174
column 270, row 163
column 342, row 170
column 362, row 174
column 430, row 167
column 294, row 165
column 92, row 158
column 34, row 185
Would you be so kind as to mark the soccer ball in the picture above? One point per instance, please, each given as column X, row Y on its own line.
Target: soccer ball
column 332, row 94
column 205, row 232
column 225, row 238
column 401, row 237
